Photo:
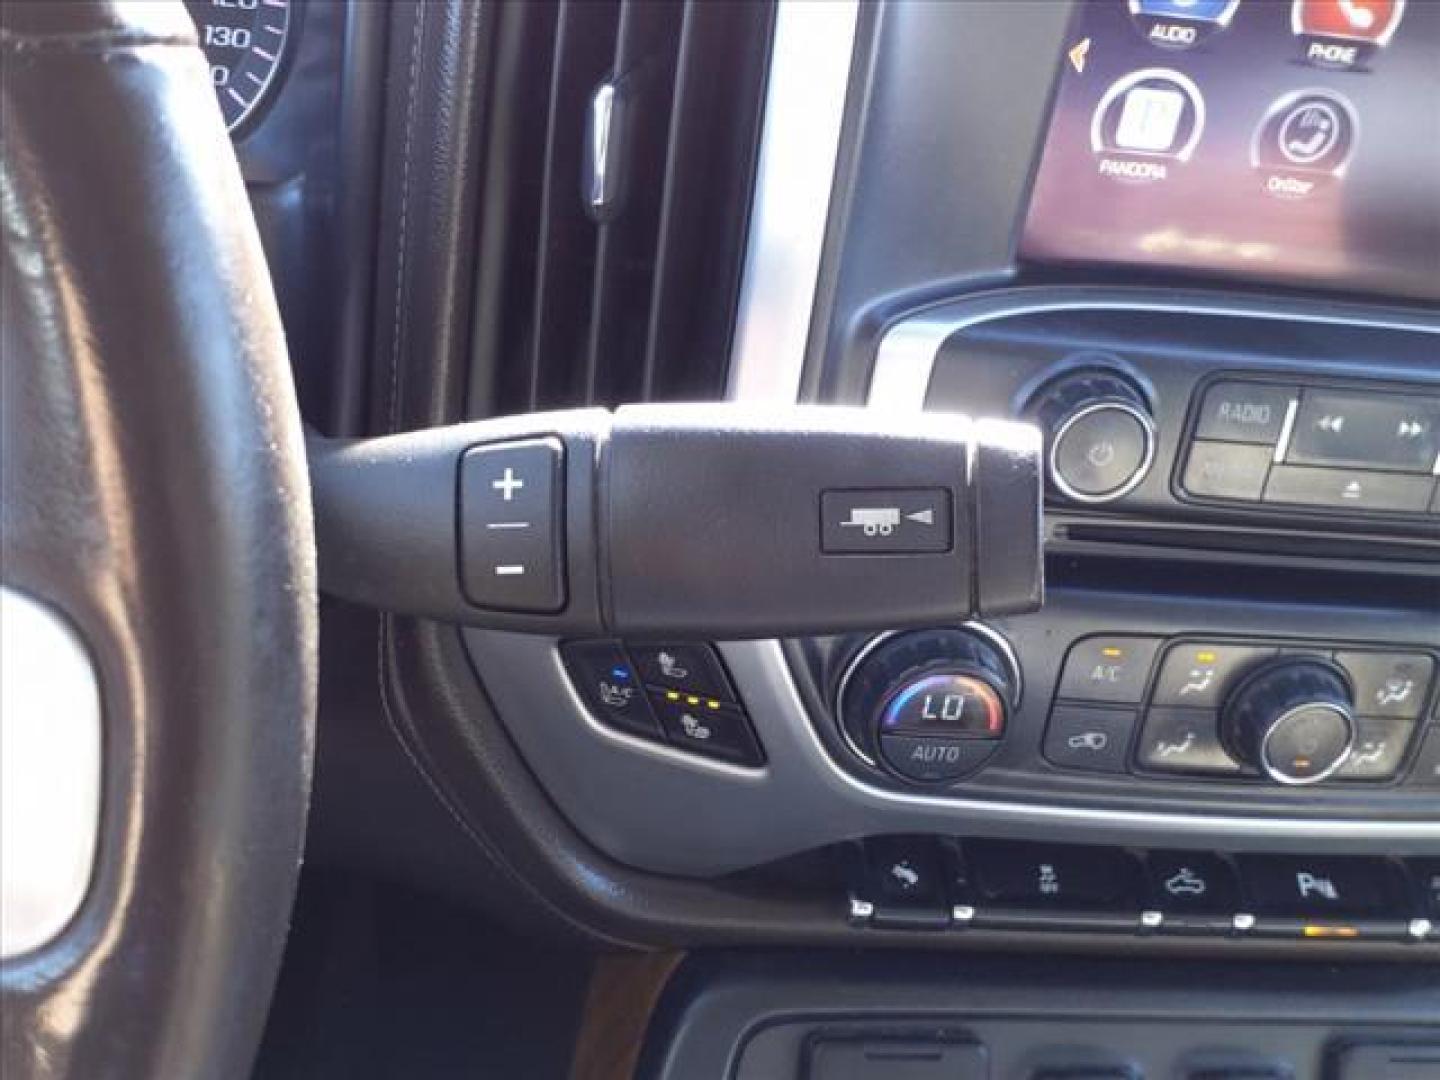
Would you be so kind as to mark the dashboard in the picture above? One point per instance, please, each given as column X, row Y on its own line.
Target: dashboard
column 1197, row 251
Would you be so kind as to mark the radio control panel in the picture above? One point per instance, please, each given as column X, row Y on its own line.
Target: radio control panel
column 1313, row 445
column 1171, row 416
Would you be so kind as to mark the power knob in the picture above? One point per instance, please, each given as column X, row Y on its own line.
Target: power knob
column 930, row 706
column 1293, row 720
column 1099, row 436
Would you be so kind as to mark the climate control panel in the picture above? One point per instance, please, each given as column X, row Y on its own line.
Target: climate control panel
column 1239, row 709
column 941, row 707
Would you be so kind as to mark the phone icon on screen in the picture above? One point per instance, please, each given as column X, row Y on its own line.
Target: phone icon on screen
column 1361, row 18
column 1368, row 22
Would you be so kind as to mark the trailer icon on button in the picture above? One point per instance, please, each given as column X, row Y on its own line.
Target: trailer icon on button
column 913, row 521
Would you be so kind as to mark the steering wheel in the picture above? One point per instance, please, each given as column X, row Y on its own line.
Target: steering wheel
column 156, row 513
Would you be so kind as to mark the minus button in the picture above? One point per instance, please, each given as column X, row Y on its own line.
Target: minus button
column 509, row 570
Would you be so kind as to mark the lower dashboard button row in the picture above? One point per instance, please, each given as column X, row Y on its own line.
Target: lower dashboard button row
column 927, row 883
column 671, row 693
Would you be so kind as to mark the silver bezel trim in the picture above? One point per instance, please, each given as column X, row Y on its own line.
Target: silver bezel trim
column 992, row 637
column 1147, row 457
column 1292, row 781
column 910, row 348
column 810, row 60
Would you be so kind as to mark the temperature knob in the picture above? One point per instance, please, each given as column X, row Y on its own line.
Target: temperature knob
column 1099, row 436
column 1293, row 720
column 931, row 706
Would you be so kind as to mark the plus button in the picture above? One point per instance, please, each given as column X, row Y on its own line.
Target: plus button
column 508, row 484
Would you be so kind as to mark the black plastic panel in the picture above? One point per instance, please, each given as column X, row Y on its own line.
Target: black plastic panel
column 996, row 366
column 754, row 1016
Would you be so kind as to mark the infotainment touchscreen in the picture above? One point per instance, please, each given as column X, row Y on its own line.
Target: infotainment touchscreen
column 1294, row 140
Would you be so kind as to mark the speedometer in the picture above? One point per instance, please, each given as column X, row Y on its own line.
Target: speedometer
column 245, row 43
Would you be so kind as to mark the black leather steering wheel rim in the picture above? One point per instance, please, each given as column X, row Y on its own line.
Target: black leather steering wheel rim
column 154, row 491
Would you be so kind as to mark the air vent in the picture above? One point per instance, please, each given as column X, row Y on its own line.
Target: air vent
column 620, row 156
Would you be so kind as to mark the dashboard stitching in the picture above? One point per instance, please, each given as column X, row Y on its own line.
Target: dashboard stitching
column 398, row 318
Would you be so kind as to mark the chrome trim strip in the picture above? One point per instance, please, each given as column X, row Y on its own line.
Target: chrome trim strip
column 908, row 352
column 800, row 139
column 1287, row 429
column 599, row 190
column 49, row 772
column 1273, row 771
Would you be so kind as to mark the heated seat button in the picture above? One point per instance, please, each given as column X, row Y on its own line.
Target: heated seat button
column 1089, row 739
column 1191, row 882
column 1241, row 412
column 512, row 552
column 1367, row 431
column 1387, row 683
column 692, row 668
column 707, row 727
column 1184, row 741
column 609, row 684
column 1046, row 876
column 1108, row 669
column 1290, row 885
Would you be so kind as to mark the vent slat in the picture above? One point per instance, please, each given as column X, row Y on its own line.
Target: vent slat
column 709, row 172
column 630, row 296
column 584, row 43
column 512, row 183
column 624, row 266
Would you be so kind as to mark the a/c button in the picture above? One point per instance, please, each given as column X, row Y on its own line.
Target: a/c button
column 1108, row 668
